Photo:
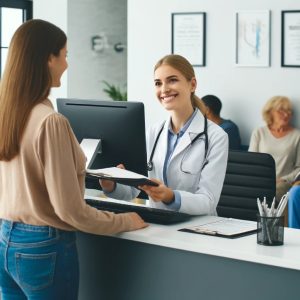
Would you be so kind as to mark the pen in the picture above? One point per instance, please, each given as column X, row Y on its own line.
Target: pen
column 265, row 202
column 282, row 205
column 260, row 209
column 280, row 209
column 265, row 208
column 272, row 208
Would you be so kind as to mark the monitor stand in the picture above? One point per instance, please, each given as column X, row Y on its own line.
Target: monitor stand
column 91, row 148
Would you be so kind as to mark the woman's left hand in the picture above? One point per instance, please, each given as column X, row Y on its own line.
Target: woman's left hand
column 279, row 180
column 158, row 193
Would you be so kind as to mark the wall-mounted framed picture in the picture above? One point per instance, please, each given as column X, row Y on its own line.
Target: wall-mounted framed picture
column 290, row 38
column 253, row 38
column 189, row 35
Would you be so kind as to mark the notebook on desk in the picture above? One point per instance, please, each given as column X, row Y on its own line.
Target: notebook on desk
column 148, row 214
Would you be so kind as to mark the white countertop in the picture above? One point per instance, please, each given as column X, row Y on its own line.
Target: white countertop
column 243, row 248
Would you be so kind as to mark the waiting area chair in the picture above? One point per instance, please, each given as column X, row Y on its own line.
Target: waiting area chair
column 249, row 175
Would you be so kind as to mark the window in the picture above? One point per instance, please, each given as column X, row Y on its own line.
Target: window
column 12, row 14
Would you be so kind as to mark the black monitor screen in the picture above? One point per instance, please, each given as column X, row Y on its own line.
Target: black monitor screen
column 119, row 125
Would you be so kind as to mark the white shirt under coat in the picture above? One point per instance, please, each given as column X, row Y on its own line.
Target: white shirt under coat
column 199, row 188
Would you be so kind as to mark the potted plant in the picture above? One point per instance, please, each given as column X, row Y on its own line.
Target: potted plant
column 114, row 92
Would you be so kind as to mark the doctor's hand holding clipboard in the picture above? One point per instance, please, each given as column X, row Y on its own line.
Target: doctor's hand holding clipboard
column 187, row 154
column 159, row 193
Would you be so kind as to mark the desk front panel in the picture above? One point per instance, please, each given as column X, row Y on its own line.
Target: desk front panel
column 117, row 269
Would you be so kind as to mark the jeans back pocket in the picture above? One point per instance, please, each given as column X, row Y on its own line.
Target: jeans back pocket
column 35, row 271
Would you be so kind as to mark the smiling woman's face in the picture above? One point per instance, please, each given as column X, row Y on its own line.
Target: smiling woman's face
column 173, row 90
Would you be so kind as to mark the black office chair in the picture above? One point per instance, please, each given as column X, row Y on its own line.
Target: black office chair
column 249, row 175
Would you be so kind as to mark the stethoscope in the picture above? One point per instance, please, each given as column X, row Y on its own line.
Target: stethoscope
column 204, row 132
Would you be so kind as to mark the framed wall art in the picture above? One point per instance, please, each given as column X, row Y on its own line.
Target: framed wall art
column 253, row 35
column 188, row 36
column 290, row 38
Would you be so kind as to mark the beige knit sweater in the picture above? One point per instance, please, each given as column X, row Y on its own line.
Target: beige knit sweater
column 285, row 150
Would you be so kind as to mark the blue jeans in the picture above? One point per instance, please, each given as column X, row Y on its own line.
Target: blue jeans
column 37, row 262
column 294, row 207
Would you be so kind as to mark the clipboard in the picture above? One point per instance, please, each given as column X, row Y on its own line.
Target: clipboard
column 224, row 227
column 121, row 176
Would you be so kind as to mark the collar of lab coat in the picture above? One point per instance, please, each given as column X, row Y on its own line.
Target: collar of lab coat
column 196, row 126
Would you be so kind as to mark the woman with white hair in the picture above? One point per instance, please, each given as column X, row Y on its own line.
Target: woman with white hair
column 280, row 139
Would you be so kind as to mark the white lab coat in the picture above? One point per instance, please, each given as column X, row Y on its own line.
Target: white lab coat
column 200, row 191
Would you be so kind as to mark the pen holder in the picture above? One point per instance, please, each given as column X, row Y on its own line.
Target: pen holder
column 270, row 230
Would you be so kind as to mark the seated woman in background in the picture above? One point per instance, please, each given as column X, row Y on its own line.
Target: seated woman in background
column 280, row 139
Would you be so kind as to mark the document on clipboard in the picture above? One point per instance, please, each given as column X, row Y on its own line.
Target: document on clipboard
column 121, row 176
column 225, row 227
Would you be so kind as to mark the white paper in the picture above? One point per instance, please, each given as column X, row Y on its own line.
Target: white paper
column 116, row 172
column 226, row 226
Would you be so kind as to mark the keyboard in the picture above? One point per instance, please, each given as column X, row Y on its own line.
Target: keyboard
column 148, row 214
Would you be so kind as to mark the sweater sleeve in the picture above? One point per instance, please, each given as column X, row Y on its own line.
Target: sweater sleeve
column 59, row 155
column 295, row 161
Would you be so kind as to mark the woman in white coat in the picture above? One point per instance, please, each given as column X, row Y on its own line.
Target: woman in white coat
column 187, row 153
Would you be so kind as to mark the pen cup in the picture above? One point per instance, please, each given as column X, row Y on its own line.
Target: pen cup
column 270, row 230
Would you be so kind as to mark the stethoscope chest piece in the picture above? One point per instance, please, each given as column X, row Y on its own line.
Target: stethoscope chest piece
column 149, row 165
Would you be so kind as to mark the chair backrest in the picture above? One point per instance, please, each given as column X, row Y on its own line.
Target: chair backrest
column 249, row 175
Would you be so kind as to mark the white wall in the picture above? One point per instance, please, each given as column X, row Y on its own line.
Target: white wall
column 81, row 20
column 87, row 68
column 54, row 11
column 243, row 91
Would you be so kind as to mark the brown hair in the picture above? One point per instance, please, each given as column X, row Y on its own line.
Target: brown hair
column 182, row 65
column 275, row 103
column 26, row 79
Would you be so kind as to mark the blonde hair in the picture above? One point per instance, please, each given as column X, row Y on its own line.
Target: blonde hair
column 26, row 79
column 275, row 103
column 182, row 65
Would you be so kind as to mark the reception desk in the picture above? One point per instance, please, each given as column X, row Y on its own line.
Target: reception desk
column 161, row 263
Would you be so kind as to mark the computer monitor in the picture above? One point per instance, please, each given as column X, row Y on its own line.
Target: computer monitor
column 119, row 125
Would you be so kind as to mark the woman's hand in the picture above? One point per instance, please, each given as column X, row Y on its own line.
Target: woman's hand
column 137, row 221
column 109, row 186
column 279, row 180
column 158, row 193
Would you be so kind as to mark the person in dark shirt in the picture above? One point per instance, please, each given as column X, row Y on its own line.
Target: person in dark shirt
column 214, row 106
